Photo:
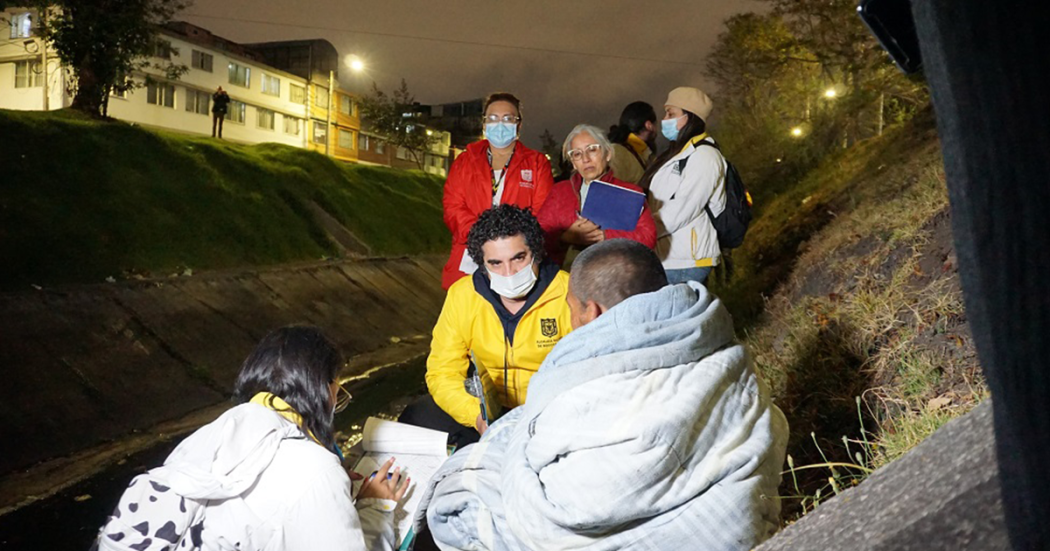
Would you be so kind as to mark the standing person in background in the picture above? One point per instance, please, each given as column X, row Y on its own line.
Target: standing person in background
column 686, row 187
column 634, row 141
column 498, row 170
column 220, row 101
column 563, row 226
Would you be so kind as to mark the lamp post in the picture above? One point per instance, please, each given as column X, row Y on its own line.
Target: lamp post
column 356, row 65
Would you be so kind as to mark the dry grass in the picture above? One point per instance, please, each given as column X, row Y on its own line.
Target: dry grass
column 865, row 344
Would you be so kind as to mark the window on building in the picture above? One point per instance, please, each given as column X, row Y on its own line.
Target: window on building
column 380, row 147
column 320, row 132
column 162, row 49
column 345, row 105
column 271, row 85
column 322, row 97
column 402, row 153
column 22, row 25
column 264, row 118
column 28, row 74
column 240, row 75
column 363, row 145
column 292, row 125
column 160, row 93
column 235, row 111
column 202, row 61
column 346, row 139
column 114, row 93
column 197, row 101
column 297, row 94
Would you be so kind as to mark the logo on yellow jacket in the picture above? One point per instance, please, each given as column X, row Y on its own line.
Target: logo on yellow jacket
column 548, row 327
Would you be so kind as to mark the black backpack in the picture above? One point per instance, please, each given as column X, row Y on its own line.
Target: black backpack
column 732, row 224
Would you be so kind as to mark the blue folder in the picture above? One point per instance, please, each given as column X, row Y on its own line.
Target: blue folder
column 613, row 207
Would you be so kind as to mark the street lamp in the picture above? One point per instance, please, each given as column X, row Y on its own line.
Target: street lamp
column 354, row 62
column 830, row 93
column 796, row 131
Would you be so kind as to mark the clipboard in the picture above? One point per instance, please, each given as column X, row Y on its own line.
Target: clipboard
column 480, row 385
column 612, row 207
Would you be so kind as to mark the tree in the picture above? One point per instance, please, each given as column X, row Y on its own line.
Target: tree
column 392, row 116
column 773, row 72
column 105, row 42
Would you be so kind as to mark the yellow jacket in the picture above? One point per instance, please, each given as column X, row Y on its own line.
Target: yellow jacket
column 469, row 321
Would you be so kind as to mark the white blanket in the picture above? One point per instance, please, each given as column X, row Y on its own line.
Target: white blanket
column 645, row 429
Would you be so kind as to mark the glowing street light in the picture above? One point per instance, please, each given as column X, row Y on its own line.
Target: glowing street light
column 830, row 93
column 796, row 131
column 355, row 63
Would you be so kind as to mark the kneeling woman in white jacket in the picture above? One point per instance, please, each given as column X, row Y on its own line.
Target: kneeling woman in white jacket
column 686, row 186
column 266, row 475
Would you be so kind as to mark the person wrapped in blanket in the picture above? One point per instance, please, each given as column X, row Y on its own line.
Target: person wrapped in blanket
column 645, row 428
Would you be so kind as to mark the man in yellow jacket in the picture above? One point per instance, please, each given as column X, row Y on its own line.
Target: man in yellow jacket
column 510, row 313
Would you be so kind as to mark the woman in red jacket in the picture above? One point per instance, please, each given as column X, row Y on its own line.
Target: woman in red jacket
column 495, row 171
column 590, row 153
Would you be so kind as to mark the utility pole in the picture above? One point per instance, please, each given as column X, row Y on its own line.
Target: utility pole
column 43, row 49
column 308, row 123
column 328, row 125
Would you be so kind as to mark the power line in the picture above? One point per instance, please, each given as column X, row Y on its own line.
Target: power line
column 448, row 40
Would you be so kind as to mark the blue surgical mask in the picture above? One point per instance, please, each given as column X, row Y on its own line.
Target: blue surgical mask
column 669, row 127
column 501, row 134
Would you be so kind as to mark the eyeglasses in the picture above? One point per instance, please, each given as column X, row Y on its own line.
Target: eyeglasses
column 591, row 151
column 504, row 118
column 342, row 399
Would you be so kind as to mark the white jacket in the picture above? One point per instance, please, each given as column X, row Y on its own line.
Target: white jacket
column 685, row 236
column 260, row 483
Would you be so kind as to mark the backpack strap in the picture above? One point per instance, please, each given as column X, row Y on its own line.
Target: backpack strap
column 635, row 154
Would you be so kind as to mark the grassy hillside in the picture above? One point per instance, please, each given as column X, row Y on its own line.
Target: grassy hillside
column 848, row 298
column 82, row 200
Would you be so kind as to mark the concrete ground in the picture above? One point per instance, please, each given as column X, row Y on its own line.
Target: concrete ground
column 98, row 372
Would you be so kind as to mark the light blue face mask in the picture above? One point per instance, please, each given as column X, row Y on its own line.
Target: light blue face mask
column 669, row 128
column 501, row 134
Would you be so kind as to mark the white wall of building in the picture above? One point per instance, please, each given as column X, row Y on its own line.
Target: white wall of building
column 136, row 108
column 15, row 50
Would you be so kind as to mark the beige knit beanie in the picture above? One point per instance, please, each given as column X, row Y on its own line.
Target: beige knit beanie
column 693, row 100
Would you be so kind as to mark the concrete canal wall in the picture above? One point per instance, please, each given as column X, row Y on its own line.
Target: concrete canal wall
column 89, row 364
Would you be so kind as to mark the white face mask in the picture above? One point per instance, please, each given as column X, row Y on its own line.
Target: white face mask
column 513, row 286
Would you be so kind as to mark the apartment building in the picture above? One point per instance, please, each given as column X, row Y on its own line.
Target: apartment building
column 31, row 75
column 284, row 92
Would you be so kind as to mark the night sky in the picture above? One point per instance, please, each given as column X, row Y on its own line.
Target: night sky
column 558, row 90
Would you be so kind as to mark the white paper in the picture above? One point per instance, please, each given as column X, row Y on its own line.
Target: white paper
column 418, row 451
column 466, row 264
column 391, row 437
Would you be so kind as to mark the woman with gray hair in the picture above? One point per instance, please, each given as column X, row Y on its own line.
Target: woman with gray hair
column 565, row 229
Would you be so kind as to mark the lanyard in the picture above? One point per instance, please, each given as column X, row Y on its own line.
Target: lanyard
column 502, row 176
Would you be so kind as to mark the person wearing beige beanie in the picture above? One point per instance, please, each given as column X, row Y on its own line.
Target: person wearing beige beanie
column 686, row 186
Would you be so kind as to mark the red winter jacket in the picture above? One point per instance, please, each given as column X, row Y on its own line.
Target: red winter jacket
column 468, row 193
column 563, row 206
